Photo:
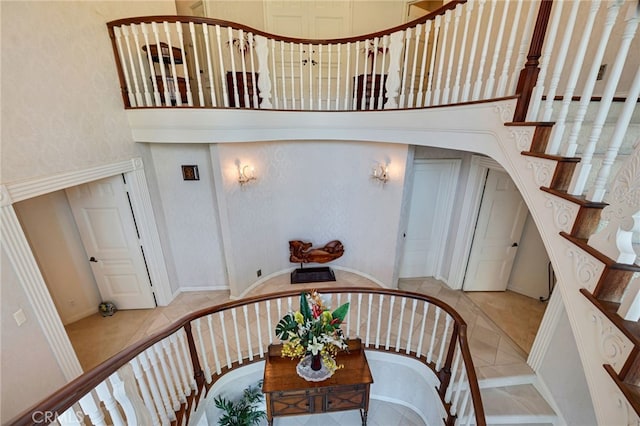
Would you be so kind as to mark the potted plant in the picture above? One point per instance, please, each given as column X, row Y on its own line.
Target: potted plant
column 243, row 412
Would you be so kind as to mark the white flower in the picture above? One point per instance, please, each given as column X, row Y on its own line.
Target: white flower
column 316, row 346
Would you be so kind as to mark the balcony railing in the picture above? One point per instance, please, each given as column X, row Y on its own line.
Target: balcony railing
column 163, row 379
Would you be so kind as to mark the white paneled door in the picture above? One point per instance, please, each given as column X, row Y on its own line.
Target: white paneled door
column 107, row 228
column 497, row 235
column 431, row 205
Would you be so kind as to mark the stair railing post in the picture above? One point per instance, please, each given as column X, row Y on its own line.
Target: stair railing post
column 445, row 373
column 198, row 374
column 529, row 74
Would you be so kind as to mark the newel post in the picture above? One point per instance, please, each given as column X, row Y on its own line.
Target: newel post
column 529, row 74
column 198, row 374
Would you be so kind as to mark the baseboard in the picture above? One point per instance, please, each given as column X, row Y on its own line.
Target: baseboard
column 80, row 315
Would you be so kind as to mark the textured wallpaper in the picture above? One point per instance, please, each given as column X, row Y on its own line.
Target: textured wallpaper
column 61, row 103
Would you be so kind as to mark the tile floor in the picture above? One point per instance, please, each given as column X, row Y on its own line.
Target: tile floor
column 501, row 328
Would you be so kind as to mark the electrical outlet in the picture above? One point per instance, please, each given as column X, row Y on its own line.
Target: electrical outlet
column 259, row 273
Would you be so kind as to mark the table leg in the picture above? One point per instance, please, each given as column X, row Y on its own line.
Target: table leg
column 363, row 416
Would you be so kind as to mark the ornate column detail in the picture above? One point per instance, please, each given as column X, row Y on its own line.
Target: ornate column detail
column 542, row 172
column 613, row 347
column 621, row 218
column 505, row 111
column 586, row 270
column 264, row 78
column 393, row 79
column 564, row 213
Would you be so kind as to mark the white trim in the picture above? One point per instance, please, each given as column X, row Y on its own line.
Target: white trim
column 544, row 391
column 478, row 169
column 190, row 289
column 26, row 269
column 548, row 325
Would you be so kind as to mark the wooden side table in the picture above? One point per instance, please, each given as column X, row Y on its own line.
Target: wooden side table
column 288, row 394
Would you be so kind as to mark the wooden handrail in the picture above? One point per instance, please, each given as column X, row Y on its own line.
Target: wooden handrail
column 71, row 393
column 529, row 74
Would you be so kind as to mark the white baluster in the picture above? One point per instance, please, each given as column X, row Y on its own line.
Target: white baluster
column 587, row 91
column 134, row 76
column 160, row 383
column 402, row 306
column 443, row 48
column 71, row 417
column 251, row 42
column 264, row 79
column 153, row 388
column 583, row 168
column 184, row 378
column 141, row 66
column 126, row 393
column 389, row 323
column 205, row 361
column 381, row 89
column 466, row 88
column 413, row 316
column 443, row 341
column 319, row 77
column 104, row 394
column 168, row 380
column 488, row 90
column 359, row 317
column 550, row 39
column 282, row 76
column 433, row 335
column 196, row 58
column 379, row 323
column 458, row 390
column 256, row 306
column 630, row 307
column 223, row 79
column 452, row 379
column 292, row 78
column 432, row 62
column 214, row 346
column 405, row 67
column 525, row 41
column 621, row 128
column 289, row 304
column 118, row 34
column 369, row 319
column 504, row 75
column 423, row 66
column 425, row 311
column 363, row 100
column 338, row 75
column 173, row 79
column 163, row 74
column 415, row 64
column 186, row 355
column 348, row 327
column 483, row 55
column 223, row 327
column 275, row 75
column 279, row 307
column 561, row 57
column 310, row 82
column 156, row 94
column 144, row 389
column 329, row 53
column 93, row 410
column 347, row 74
column 301, row 69
column 558, row 129
column 452, row 50
column 185, row 67
column 269, row 320
column 243, row 65
column 248, row 331
column 455, row 92
column 232, row 60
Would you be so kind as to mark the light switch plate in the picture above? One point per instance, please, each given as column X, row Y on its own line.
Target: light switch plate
column 20, row 317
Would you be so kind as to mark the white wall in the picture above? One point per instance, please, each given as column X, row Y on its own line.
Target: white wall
column 28, row 368
column 55, row 242
column 562, row 373
column 314, row 191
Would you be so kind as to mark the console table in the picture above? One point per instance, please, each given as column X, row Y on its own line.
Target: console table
column 288, row 394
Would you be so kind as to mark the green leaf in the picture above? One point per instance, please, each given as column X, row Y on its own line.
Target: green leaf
column 341, row 312
column 304, row 307
column 285, row 325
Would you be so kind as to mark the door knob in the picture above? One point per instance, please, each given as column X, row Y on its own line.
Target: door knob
column 514, row 245
column 93, row 259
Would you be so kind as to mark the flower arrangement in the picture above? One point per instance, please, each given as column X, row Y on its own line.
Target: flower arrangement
column 314, row 329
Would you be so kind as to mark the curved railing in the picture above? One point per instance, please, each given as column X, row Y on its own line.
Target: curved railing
column 163, row 378
column 465, row 51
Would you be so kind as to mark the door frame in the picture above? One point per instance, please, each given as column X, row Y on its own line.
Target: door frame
column 28, row 272
column 470, row 209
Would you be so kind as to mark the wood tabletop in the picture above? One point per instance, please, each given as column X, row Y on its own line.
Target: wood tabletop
column 280, row 373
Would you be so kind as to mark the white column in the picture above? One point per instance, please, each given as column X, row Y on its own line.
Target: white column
column 264, row 79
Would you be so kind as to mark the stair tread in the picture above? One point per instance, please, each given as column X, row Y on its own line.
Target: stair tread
column 505, row 375
column 516, row 400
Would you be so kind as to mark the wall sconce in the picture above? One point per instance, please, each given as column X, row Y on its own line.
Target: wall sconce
column 245, row 174
column 380, row 172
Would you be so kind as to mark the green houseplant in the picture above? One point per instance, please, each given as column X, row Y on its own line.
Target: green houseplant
column 243, row 412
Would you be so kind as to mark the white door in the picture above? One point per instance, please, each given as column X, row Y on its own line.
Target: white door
column 497, row 235
column 104, row 219
column 434, row 184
